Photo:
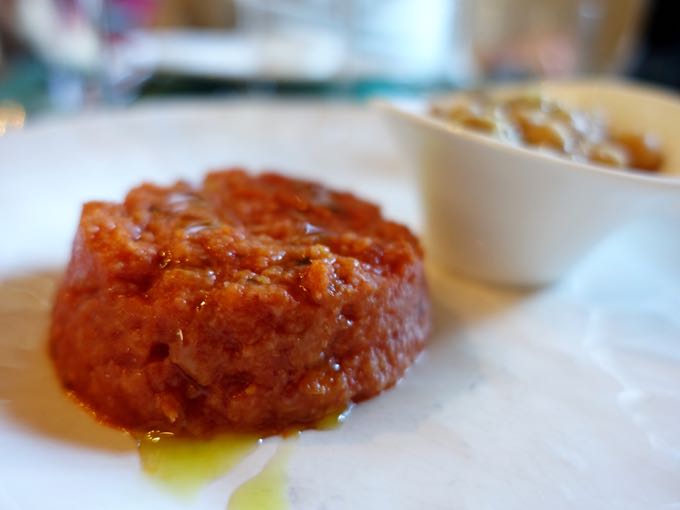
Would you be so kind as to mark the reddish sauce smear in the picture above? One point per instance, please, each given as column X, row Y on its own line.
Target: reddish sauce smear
column 249, row 303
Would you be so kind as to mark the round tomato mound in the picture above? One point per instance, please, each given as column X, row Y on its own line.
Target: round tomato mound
column 249, row 303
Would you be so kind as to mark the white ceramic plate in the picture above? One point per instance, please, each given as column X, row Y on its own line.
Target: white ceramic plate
column 568, row 397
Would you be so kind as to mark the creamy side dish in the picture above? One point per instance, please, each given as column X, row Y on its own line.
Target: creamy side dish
column 537, row 121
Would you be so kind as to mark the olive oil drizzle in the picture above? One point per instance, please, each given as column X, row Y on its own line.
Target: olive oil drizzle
column 269, row 488
column 183, row 466
column 334, row 420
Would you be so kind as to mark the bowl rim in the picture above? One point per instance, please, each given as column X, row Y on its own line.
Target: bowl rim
column 600, row 85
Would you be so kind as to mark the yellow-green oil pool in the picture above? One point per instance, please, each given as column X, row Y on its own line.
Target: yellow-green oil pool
column 183, row 466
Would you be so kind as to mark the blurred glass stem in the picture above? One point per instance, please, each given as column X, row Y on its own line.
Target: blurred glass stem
column 85, row 46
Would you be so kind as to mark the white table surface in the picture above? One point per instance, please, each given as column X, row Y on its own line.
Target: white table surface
column 564, row 397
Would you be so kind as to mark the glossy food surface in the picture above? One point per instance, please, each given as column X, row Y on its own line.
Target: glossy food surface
column 248, row 303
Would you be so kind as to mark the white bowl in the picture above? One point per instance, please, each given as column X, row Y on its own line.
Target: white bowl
column 515, row 215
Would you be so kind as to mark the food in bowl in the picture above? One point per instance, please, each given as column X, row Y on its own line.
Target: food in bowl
column 537, row 121
column 248, row 303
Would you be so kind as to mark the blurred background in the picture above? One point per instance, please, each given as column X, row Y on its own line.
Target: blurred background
column 68, row 55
